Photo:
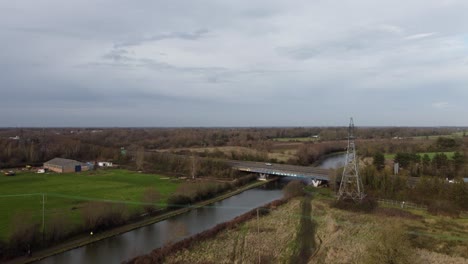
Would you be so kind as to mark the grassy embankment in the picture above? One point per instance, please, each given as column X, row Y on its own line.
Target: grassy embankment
column 267, row 239
column 66, row 193
column 339, row 237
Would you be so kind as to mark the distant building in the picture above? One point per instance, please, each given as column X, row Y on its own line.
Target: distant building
column 105, row 164
column 65, row 165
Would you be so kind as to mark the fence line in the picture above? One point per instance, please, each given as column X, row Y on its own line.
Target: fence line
column 403, row 204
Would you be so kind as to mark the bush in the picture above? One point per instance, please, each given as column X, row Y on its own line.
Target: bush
column 366, row 205
column 100, row 215
column 150, row 197
column 446, row 208
column 58, row 228
column 390, row 246
column 293, row 189
column 25, row 235
column 178, row 200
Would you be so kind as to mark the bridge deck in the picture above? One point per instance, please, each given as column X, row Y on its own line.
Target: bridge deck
column 281, row 169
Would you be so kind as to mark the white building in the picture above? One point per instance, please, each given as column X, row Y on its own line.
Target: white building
column 105, row 164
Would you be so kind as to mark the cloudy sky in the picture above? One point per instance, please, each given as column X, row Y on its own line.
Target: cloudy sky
column 233, row 62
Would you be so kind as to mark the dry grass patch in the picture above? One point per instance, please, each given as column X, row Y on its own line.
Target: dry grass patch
column 246, row 243
column 388, row 236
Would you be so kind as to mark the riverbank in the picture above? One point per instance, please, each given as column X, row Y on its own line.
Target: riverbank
column 338, row 236
column 159, row 255
column 265, row 239
column 88, row 239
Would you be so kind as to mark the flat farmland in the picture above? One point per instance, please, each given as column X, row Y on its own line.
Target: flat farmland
column 21, row 195
column 298, row 139
column 431, row 155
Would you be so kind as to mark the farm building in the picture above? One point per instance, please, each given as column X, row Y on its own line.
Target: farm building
column 105, row 164
column 65, row 165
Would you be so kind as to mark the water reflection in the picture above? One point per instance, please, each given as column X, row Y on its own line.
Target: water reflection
column 143, row 240
column 333, row 162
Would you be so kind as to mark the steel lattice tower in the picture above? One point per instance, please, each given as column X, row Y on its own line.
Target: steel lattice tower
column 351, row 185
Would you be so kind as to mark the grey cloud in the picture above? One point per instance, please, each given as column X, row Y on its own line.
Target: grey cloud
column 358, row 40
column 260, row 62
column 198, row 34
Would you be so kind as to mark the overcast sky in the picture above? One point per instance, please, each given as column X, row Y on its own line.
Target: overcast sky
column 233, row 63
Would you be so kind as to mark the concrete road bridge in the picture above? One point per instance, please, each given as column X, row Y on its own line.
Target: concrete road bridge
column 315, row 176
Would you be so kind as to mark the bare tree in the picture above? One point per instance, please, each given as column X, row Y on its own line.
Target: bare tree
column 140, row 158
column 194, row 165
column 150, row 197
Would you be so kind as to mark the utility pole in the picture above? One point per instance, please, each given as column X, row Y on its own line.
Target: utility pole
column 43, row 216
column 351, row 184
column 258, row 233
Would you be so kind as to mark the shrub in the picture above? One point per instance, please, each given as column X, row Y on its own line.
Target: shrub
column 24, row 236
column 178, row 200
column 442, row 207
column 293, row 189
column 390, row 246
column 58, row 228
column 150, row 197
column 366, row 205
column 100, row 215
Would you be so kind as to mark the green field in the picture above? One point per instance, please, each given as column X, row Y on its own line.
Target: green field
column 430, row 154
column 298, row 139
column 453, row 135
column 65, row 193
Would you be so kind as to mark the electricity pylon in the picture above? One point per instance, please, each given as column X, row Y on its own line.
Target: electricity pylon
column 351, row 185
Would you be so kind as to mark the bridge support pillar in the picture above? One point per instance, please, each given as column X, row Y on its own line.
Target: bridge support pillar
column 316, row 183
column 263, row 176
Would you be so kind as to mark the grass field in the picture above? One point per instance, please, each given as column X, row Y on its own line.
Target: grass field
column 65, row 193
column 453, row 135
column 299, row 139
column 281, row 155
column 430, row 154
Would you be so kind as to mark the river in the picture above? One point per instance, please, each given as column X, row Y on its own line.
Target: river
column 333, row 161
column 142, row 240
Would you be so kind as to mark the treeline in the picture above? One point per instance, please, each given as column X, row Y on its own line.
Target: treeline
column 28, row 235
column 36, row 150
column 195, row 192
column 191, row 166
column 431, row 191
column 411, row 163
column 29, row 145
column 249, row 155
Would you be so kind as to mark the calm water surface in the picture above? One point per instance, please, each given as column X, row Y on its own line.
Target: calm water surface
column 333, row 162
